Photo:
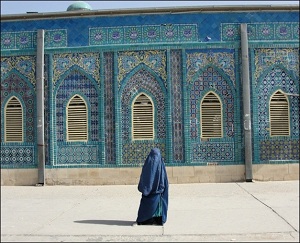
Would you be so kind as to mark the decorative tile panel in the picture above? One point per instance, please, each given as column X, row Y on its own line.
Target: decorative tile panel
column 143, row 34
column 212, row 152
column 276, row 78
column 267, row 57
column 109, row 98
column 17, row 156
column 55, row 38
column 15, row 85
column 211, row 80
column 24, row 64
column 261, row 31
column 279, row 150
column 77, row 155
column 89, row 62
column 177, row 101
column 223, row 60
column 23, row 40
column 133, row 34
column 77, row 83
column 143, row 80
column 156, row 60
column 135, row 153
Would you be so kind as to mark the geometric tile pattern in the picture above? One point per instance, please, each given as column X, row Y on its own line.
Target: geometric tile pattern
column 23, row 64
column 277, row 77
column 156, row 60
column 77, row 155
column 267, row 57
column 279, row 150
column 211, row 79
column 16, row 85
column 144, row 81
column 55, row 38
column 223, row 60
column 77, row 83
column 22, row 40
column 89, row 62
column 143, row 34
column 210, row 152
column 110, row 142
column 177, row 112
column 215, row 65
column 261, row 31
column 136, row 152
column 21, row 156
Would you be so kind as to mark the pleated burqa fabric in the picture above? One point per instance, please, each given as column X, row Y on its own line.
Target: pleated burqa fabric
column 154, row 187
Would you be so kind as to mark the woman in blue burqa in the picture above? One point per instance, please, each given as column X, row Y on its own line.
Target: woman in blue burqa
column 154, row 187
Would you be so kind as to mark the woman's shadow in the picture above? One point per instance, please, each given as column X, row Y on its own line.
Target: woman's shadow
column 106, row 221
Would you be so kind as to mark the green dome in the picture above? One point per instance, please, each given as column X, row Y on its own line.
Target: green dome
column 79, row 5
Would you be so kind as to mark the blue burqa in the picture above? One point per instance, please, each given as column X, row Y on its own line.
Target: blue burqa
column 154, row 187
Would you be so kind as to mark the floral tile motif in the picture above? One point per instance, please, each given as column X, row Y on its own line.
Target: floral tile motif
column 55, row 38
column 24, row 64
column 261, row 31
column 156, row 60
column 267, row 57
column 143, row 34
column 89, row 62
column 198, row 60
column 24, row 40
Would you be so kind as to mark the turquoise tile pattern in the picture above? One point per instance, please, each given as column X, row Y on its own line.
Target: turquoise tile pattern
column 175, row 59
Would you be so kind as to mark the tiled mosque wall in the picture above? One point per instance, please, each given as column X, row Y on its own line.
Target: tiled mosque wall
column 175, row 61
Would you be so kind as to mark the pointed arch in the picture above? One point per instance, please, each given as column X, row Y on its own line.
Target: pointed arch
column 20, row 75
column 211, row 121
column 279, row 114
column 77, row 119
column 142, row 117
column 138, row 68
column 13, row 121
column 72, row 69
column 273, row 67
column 224, row 75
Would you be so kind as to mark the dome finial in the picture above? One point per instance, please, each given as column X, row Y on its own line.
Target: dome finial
column 78, row 6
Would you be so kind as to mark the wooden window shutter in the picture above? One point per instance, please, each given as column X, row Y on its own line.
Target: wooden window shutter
column 14, row 121
column 279, row 115
column 143, row 118
column 211, row 117
column 77, row 125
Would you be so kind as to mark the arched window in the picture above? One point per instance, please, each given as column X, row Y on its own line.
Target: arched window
column 77, row 125
column 143, row 118
column 211, row 116
column 13, row 121
column 279, row 115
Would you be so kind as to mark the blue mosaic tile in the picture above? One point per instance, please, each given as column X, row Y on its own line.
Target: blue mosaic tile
column 8, row 41
column 55, row 38
column 17, row 156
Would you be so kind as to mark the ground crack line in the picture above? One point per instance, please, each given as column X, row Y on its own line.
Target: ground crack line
column 268, row 207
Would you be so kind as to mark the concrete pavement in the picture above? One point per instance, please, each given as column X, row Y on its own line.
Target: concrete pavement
column 246, row 211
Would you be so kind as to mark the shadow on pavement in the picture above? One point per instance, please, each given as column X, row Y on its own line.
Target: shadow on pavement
column 107, row 222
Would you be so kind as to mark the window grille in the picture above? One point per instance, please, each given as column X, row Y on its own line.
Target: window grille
column 77, row 126
column 211, row 117
column 143, row 118
column 279, row 115
column 14, row 121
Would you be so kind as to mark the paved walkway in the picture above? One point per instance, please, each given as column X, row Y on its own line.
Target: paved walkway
column 246, row 211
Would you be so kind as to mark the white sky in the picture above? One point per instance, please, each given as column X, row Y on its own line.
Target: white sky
column 21, row 7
